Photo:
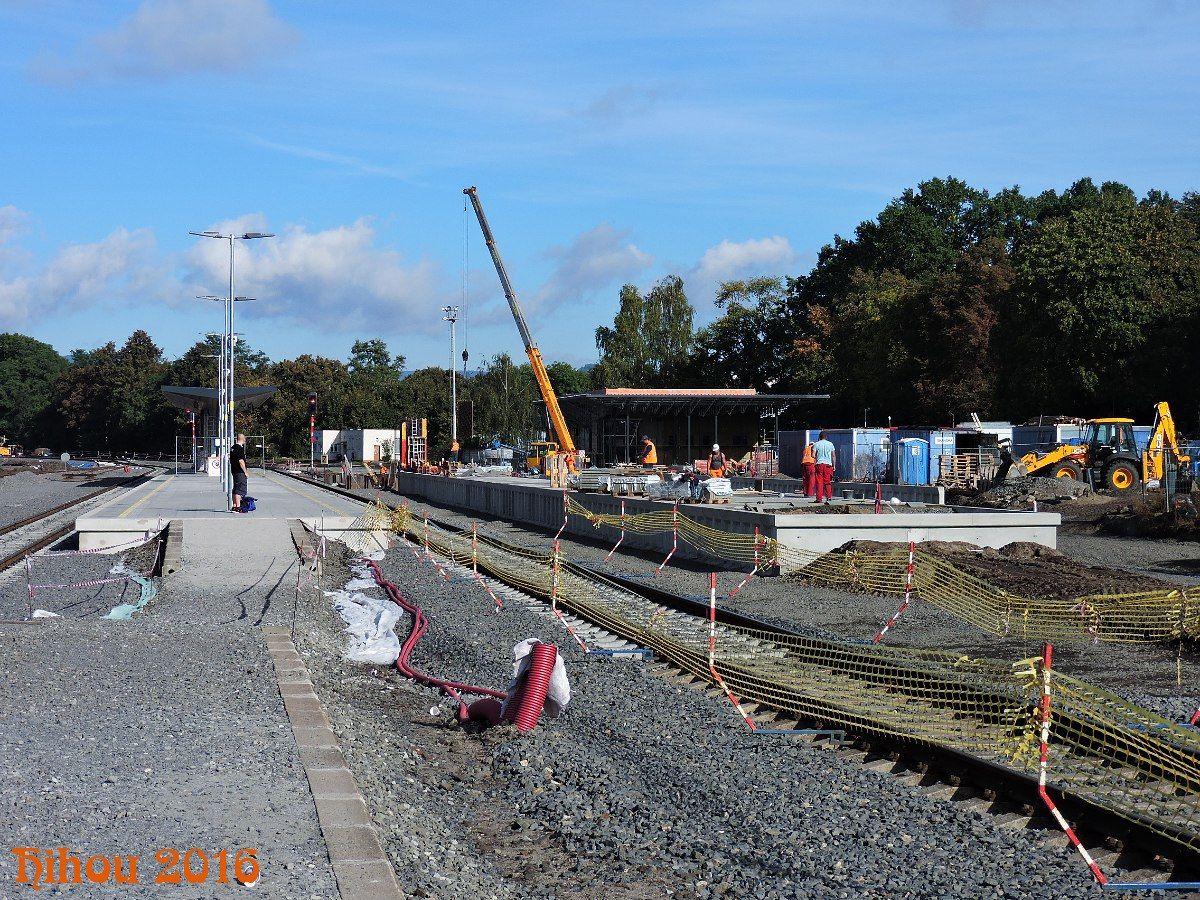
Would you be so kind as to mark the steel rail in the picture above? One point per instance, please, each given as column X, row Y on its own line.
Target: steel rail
column 44, row 541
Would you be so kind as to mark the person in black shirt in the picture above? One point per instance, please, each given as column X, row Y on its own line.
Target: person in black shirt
column 237, row 468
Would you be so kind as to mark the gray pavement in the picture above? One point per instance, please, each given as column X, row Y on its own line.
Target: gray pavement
column 169, row 730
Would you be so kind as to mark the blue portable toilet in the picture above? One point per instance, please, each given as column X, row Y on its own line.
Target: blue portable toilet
column 912, row 461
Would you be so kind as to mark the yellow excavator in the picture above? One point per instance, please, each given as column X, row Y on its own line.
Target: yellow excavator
column 1108, row 449
column 566, row 445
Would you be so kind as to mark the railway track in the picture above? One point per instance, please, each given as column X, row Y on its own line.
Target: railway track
column 45, row 528
column 788, row 683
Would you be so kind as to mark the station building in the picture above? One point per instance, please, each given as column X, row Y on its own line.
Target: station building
column 684, row 423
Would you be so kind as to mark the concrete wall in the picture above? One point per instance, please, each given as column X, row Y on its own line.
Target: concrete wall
column 983, row 528
column 528, row 504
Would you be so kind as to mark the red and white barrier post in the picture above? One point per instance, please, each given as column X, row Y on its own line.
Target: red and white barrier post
column 908, row 583
column 621, row 538
column 554, row 576
column 566, row 514
column 674, row 539
column 753, row 571
column 712, row 652
column 475, row 568
column 1043, row 766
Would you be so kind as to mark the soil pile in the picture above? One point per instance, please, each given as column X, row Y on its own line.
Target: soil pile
column 1021, row 492
column 1026, row 569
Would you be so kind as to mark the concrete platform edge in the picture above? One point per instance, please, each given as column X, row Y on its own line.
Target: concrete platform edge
column 362, row 869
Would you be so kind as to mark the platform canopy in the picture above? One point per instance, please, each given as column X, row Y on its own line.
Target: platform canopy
column 205, row 400
column 680, row 401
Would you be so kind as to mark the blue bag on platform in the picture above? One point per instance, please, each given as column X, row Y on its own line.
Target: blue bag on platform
column 248, row 504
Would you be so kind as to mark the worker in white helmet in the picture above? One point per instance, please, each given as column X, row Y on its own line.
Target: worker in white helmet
column 717, row 463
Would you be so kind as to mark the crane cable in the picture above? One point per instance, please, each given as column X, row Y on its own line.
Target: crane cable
column 466, row 257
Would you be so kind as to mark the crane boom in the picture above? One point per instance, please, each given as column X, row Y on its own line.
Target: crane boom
column 565, row 441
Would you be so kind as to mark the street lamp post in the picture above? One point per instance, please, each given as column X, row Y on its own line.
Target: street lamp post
column 451, row 316
column 225, row 391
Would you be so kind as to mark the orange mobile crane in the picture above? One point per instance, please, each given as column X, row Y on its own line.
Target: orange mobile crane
column 566, row 444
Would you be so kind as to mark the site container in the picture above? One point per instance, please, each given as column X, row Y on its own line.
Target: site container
column 1028, row 438
column 863, row 454
column 911, row 461
column 1002, row 430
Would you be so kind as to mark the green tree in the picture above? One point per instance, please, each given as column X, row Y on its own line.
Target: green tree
column 28, row 369
column 1104, row 307
column 651, row 337
column 285, row 415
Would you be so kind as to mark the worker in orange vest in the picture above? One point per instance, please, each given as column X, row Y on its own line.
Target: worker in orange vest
column 808, row 471
column 649, row 452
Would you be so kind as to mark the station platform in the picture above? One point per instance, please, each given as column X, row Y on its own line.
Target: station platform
column 188, row 496
column 184, row 498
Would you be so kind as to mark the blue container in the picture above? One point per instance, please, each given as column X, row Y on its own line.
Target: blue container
column 911, row 464
column 942, row 442
column 863, row 454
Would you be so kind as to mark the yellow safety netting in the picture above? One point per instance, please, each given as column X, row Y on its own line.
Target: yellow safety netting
column 1147, row 616
column 1105, row 750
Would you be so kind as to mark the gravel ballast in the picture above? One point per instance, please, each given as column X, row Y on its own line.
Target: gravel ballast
column 642, row 789
column 28, row 493
column 1162, row 677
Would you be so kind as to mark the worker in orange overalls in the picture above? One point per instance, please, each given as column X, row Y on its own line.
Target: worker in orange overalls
column 808, row 471
column 717, row 463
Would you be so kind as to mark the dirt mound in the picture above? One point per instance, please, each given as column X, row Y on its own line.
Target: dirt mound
column 1021, row 492
column 1027, row 569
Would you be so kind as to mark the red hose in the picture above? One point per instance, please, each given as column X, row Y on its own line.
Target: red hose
column 420, row 625
column 531, row 697
column 1195, row 717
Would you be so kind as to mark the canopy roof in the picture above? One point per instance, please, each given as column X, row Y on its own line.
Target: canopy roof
column 206, row 400
column 672, row 401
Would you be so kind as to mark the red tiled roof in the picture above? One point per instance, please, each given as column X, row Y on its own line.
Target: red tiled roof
column 677, row 392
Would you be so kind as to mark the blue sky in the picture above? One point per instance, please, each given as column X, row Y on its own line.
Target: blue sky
column 610, row 142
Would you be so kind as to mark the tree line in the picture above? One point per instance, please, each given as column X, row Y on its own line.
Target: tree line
column 952, row 300
column 110, row 399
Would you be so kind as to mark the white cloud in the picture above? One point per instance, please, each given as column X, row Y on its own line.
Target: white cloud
column 620, row 103
column 164, row 38
column 596, row 259
column 335, row 280
column 731, row 260
column 12, row 223
column 123, row 267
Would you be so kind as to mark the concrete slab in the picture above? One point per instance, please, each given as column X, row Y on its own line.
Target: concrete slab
column 530, row 502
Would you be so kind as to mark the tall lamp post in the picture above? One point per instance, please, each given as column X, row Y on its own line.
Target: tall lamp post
column 225, row 388
column 312, row 432
column 451, row 316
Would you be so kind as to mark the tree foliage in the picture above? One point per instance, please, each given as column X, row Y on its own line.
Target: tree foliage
column 28, row 369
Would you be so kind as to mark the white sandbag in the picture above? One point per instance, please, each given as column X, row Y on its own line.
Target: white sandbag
column 559, row 693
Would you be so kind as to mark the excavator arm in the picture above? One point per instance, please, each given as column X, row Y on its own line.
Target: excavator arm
column 553, row 410
column 1163, row 440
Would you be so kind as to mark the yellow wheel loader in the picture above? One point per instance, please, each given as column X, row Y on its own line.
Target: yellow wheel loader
column 1109, row 451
